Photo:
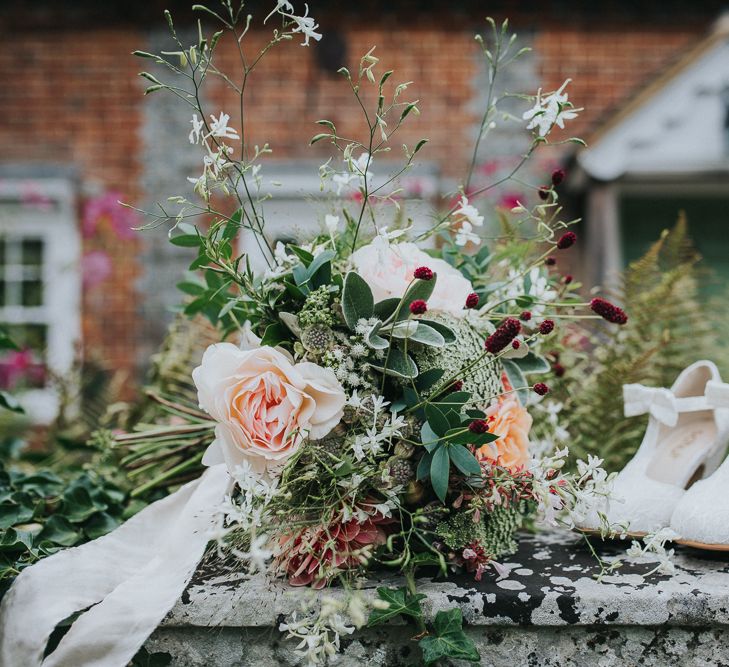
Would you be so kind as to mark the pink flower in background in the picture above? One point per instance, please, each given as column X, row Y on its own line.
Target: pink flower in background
column 95, row 268
column 21, row 368
column 314, row 555
column 107, row 206
column 33, row 197
column 510, row 200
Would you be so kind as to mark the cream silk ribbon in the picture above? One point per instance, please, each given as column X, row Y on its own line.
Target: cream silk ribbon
column 127, row 580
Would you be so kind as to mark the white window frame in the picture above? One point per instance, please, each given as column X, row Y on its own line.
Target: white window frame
column 61, row 277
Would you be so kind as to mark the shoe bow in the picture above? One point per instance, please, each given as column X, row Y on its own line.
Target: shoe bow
column 659, row 403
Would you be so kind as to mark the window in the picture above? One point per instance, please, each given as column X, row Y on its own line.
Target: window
column 39, row 288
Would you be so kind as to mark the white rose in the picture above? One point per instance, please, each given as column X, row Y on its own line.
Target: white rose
column 388, row 269
column 265, row 405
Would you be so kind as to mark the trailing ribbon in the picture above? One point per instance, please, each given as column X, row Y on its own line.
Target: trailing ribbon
column 129, row 578
column 660, row 403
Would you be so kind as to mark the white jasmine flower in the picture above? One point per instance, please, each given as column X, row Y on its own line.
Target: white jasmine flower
column 197, row 126
column 305, row 25
column 587, row 469
column 219, row 127
column 257, row 556
column 549, row 111
column 464, row 234
column 469, row 212
column 331, row 222
column 280, row 4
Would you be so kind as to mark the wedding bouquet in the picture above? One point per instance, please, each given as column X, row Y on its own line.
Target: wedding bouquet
column 368, row 406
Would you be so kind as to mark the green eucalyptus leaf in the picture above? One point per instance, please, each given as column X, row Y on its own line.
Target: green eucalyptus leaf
column 437, row 419
column 423, row 471
column 464, row 460
column 440, row 468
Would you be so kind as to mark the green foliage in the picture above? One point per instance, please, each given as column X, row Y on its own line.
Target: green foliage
column 357, row 300
column 668, row 329
column 448, row 640
column 400, row 603
column 494, row 530
column 41, row 513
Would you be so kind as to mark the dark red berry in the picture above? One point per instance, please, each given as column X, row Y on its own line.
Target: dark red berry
column 515, row 344
column 557, row 177
column 608, row 311
column 472, row 300
column 423, row 273
column 478, row 426
column 541, row 389
column 418, row 307
column 566, row 240
column 525, row 316
column 546, row 327
column 543, row 193
column 550, row 261
column 568, row 279
column 504, row 334
column 559, row 370
column 456, row 386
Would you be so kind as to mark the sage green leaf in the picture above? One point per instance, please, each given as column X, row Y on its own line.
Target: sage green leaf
column 429, row 437
column 374, row 340
column 427, row 335
column 398, row 364
column 357, row 300
column 400, row 603
column 448, row 335
column 385, row 308
column 448, row 639
column 516, row 379
column 464, row 460
column 420, row 289
column 426, row 380
column 532, row 363
column 440, row 468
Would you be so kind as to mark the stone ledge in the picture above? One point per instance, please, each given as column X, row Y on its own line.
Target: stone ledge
column 549, row 611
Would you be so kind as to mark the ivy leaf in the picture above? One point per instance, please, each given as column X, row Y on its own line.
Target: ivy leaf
column 357, row 300
column 58, row 531
column 516, row 380
column 440, row 468
column 7, row 343
column 464, row 460
column 9, row 402
column 448, row 639
column 400, row 602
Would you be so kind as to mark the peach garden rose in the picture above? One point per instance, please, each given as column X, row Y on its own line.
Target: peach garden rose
column 508, row 419
column 265, row 405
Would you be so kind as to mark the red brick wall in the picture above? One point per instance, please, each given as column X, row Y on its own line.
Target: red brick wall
column 72, row 99
column 70, row 95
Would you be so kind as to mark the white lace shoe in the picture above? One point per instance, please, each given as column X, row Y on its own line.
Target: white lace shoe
column 701, row 517
column 685, row 441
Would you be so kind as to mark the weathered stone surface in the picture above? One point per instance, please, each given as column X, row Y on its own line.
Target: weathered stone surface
column 549, row 611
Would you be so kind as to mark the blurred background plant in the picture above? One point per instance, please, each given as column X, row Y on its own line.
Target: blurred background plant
column 670, row 327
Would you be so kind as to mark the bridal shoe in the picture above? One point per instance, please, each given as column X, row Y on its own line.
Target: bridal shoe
column 685, row 442
column 701, row 517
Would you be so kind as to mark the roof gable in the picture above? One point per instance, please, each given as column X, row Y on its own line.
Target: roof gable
column 678, row 125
